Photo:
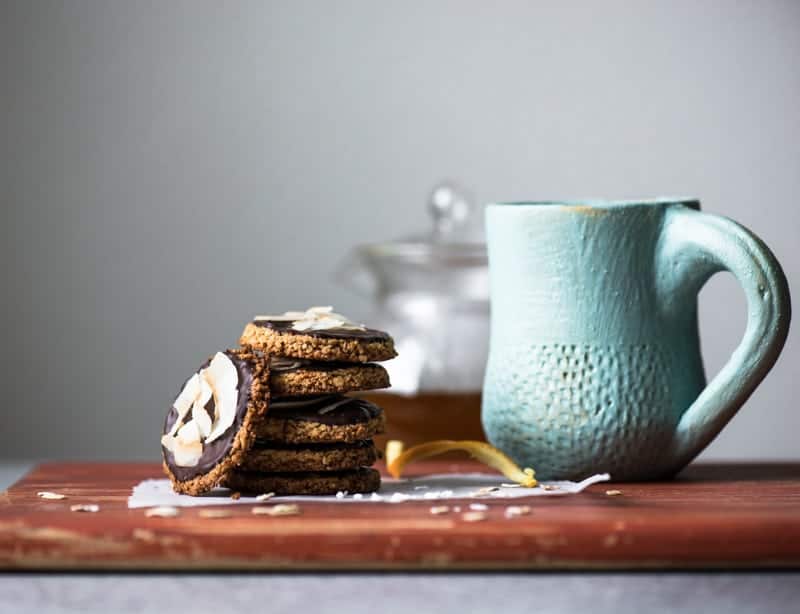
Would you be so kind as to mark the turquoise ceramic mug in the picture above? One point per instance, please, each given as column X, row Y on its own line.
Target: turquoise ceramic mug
column 594, row 358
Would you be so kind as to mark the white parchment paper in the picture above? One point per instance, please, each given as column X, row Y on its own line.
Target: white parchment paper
column 437, row 487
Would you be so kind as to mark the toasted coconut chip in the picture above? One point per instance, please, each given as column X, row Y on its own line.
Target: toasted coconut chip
column 315, row 318
column 223, row 378
column 282, row 509
column 200, row 416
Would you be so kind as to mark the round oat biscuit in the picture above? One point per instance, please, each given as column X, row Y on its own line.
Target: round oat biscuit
column 297, row 376
column 361, row 480
column 270, row 456
column 321, row 419
column 278, row 338
column 209, row 462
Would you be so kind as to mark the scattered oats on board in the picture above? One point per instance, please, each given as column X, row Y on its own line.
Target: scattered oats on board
column 439, row 509
column 513, row 511
column 281, row 509
column 162, row 511
column 214, row 514
column 265, row 496
column 613, row 493
column 84, row 507
column 474, row 516
column 478, row 507
column 43, row 494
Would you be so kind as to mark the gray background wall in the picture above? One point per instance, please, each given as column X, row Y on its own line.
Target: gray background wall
column 171, row 168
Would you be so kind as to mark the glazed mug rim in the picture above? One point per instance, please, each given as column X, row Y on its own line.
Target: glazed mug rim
column 600, row 203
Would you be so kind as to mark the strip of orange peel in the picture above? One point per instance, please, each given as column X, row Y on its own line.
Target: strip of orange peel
column 397, row 457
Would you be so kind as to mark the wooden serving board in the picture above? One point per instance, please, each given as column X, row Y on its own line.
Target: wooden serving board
column 711, row 516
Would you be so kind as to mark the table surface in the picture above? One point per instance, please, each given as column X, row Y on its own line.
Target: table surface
column 617, row 592
column 712, row 516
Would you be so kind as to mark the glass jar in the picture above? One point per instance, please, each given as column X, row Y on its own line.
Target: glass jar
column 432, row 294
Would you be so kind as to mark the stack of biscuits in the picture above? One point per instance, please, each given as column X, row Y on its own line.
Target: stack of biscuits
column 293, row 429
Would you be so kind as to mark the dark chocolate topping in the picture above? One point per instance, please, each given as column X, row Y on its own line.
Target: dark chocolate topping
column 369, row 334
column 215, row 451
column 332, row 409
column 285, row 365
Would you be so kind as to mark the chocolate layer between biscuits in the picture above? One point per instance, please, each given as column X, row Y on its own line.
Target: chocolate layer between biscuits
column 329, row 418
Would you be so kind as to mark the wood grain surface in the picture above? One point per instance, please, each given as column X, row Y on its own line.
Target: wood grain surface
column 712, row 516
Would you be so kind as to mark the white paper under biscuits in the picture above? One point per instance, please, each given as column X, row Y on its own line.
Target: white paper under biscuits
column 438, row 487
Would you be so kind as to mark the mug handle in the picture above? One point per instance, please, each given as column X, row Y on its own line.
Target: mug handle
column 692, row 247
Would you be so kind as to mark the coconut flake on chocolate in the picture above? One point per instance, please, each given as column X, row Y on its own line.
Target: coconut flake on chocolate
column 315, row 318
column 185, row 401
column 218, row 381
column 222, row 376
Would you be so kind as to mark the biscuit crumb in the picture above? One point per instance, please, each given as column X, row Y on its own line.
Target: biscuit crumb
column 485, row 491
column 281, row 509
column 84, row 507
column 474, row 516
column 214, row 514
column 513, row 511
column 162, row 511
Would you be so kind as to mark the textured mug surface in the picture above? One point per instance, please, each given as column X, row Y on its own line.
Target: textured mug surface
column 594, row 359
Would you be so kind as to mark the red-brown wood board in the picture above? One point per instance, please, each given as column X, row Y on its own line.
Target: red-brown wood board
column 711, row 516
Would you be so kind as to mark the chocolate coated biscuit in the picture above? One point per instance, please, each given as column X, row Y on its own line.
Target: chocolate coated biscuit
column 270, row 456
column 312, row 483
column 226, row 452
column 278, row 338
column 322, row 419
column 295, row 376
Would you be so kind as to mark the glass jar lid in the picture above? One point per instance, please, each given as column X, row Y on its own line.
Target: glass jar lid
column 456, row 238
